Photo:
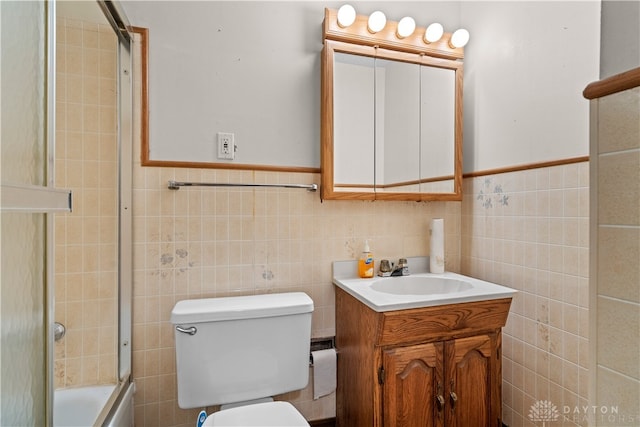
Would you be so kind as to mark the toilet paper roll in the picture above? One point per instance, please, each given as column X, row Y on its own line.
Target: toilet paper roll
column 436, row 257
column 324, row 372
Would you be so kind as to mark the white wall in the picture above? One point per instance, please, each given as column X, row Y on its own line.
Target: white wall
column 620, row 44
column 253, row 68
column 525, row 69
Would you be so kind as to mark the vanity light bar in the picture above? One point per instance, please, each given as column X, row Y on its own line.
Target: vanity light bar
column 433, row 33
column 459, row 38
column 345, row 25
column 346, row 15
column 406, row 27
column 376, row 22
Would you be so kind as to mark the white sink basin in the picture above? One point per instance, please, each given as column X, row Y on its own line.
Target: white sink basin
column 420, row 289
column 420, row 285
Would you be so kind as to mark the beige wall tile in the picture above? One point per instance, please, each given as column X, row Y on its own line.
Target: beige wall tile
column 217, row 242
column 619, row 127
column 619, row 336
column 85, row 241
column 619, row 392
column 619, row 188
column 90, row 62
column 90, row 90
column 106, row 38
column 533, row 236
column 90, row 37
column 618, row 266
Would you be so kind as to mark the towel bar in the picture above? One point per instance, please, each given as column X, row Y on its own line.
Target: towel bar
column 175, row 185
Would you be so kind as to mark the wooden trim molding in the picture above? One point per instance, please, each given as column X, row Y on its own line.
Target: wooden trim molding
column 398, row 184
column 144, row 92
column 529, row 166
column 202, row 165
column 517, row 168
column 614, row 84
column 144, row 126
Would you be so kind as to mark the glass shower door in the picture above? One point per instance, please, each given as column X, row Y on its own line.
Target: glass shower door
column 25, row 202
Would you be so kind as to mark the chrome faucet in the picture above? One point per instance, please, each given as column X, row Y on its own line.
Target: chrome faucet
column 402, row 269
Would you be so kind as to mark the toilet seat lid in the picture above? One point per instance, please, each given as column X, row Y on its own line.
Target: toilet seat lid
column 260, row 414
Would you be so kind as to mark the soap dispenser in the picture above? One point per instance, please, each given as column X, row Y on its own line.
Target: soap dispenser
column 365, row 263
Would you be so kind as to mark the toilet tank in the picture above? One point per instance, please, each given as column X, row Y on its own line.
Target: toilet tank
column 241, row 348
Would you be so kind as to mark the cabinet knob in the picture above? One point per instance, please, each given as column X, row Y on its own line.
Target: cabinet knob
column 454, row 399
column 440, row 402
column 439, row 398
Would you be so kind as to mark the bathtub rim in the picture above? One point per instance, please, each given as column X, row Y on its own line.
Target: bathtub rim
column 128, row 389
column 110, row 404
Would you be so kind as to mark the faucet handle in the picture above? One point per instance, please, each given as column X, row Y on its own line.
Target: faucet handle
column 403, row 265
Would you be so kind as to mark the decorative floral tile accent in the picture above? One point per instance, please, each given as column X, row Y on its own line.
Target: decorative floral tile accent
column 488, row 196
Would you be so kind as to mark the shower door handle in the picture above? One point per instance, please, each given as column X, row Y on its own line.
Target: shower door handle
column 190, row 330
column 58, row 331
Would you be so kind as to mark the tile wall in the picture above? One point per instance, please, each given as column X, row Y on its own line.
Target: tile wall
column 529, row 230
column 86, row 239
column 616, row 258
column 206, row 242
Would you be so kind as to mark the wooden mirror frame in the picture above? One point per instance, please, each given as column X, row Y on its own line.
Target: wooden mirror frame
column 357, row 40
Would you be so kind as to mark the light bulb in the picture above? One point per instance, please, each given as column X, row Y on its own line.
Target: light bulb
column 459, row 38
column 434, row 33
column 406, row 27
column 377, row 21
column 346, row 15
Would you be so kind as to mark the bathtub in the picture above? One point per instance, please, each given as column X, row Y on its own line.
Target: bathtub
column 83, row 406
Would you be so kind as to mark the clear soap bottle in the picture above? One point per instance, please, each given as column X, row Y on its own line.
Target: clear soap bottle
column 365, row 263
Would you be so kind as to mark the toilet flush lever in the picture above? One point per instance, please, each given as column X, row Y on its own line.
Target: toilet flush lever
column 190, row 330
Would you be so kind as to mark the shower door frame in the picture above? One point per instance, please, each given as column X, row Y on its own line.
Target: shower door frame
column 117, row 18
column 125, row 238
column 120, row 24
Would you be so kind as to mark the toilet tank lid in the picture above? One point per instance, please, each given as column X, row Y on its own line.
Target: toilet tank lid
column 240, row 307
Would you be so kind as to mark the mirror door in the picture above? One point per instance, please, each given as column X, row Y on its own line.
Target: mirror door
column 438, row 130
column 391, row 125
column 397, row 127
column 354, row 123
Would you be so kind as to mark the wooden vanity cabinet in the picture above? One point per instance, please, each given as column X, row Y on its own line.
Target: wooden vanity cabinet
column 433, row 366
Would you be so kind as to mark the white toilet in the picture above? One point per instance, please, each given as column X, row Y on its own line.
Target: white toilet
column 239, row 351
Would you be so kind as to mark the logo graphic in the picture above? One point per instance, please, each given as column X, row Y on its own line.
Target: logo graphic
column 543, row 410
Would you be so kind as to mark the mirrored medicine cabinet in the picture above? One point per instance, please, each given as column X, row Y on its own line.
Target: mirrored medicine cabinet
column 391, row 115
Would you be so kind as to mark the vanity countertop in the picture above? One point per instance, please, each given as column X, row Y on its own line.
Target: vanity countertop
column 419, row 289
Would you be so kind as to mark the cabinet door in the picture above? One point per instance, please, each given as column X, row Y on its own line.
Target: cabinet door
column 471, row 369
column 412, row 381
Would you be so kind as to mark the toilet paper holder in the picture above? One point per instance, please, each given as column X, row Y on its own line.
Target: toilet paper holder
column 321, row 344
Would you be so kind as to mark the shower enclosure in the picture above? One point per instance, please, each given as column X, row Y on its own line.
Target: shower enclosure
column 66, row 123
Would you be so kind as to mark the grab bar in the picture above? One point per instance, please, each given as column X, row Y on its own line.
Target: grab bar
column 175, row 185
